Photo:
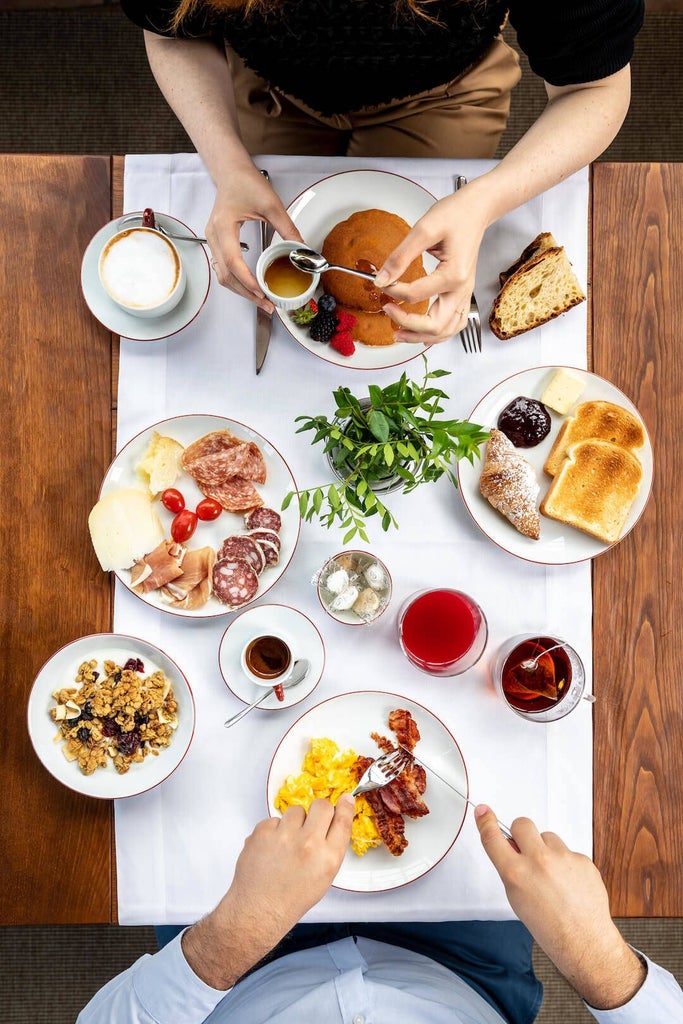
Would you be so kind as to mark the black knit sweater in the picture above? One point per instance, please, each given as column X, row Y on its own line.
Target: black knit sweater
column 338, row 56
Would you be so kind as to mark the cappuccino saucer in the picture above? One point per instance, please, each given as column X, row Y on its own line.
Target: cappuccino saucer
column 116, row 319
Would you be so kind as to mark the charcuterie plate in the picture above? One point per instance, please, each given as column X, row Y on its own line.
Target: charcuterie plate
column 323, row 205
column 123, row 474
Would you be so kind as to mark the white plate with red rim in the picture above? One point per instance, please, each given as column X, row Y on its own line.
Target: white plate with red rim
column 348, row 719
column 323, row 205
column 558, row 544
column 299, row 633
column 59, row 671
column 137, row 328
column 279, row 481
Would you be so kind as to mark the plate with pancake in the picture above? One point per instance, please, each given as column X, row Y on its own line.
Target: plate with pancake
column 323, row 207
column 604, row 484
column 348, row 720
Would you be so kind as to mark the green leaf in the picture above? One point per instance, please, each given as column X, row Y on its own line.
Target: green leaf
column 317, row 500
column 303, row 502
column 388, row 454
column 333, row 496
column 379, row 427
column 288, row 500
column 350, row 535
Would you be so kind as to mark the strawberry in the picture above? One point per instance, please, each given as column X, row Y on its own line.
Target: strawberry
column 305, row 314
column 343, row 343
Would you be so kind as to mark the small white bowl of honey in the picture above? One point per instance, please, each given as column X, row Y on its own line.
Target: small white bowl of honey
column 284, row 284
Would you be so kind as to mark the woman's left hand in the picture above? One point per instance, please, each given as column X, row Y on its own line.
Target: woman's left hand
column 451, row 231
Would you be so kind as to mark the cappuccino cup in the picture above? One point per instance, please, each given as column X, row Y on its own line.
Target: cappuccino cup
column 141, row 271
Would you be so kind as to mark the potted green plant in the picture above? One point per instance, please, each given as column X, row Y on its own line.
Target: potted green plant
column 393, row 438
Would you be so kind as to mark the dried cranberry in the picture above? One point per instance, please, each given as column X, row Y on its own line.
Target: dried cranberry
column 134, row 665
column 110, row 727
column 83, row 734
column 128, row 742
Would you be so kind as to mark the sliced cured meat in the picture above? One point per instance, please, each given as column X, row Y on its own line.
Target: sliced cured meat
column 235, row 495
column 193, row 588
column 268, row 535
column 241, row 546
column 271, row 552
column 403, row 795
column 243, row 459
column 209, row 444
column 263, row 519
column 158, row 567
column 234, row 582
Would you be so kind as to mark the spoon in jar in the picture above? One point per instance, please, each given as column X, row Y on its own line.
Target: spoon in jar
column 312, row 262
column 299, row 672
column 137, row 218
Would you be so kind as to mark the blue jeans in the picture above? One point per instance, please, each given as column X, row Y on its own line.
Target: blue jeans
column 493, row 957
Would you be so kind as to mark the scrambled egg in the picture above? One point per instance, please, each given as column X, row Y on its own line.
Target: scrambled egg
column 327, row 772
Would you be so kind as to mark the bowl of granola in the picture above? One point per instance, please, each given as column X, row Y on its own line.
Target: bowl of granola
column 110, row 716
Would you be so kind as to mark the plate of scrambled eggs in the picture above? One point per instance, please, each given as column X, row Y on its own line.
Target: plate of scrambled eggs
column 315, row 758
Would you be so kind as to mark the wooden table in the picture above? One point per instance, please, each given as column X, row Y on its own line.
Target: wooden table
column 56, row 848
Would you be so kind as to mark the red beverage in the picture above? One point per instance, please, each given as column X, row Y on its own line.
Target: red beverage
column 442, row 631
column 536, row 675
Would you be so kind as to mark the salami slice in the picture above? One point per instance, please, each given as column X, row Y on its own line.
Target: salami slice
column 270, row 535
column 245, row 548
column 263, row 519
column 234, row 582
column 235, row 495
column 271, row 552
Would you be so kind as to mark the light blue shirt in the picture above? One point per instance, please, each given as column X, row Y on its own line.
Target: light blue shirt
column 344, row 982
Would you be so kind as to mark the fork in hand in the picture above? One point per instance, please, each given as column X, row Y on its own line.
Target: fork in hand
column 384, row 770
column 470, row 335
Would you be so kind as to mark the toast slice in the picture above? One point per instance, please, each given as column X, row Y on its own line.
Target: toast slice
column 543, row 287
column 603, row 421
column 540, row 243
column 594, row 489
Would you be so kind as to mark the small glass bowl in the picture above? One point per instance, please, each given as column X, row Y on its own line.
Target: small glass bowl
column 354, row 587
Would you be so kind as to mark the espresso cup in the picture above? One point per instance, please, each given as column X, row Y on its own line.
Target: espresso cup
column 284, row 284
column 267, row 660
column 142, row 272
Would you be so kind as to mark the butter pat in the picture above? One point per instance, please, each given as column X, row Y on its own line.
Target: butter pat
column 124, row 527
column 562, row 392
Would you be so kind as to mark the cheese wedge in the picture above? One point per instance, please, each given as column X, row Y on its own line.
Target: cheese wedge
column 124, row 527
column 160, row 467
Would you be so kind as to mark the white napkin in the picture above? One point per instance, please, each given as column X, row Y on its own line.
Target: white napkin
column 177, row 844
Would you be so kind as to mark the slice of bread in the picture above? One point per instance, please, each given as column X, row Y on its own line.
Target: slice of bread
column 539, row 290
column 603, row 421
column 594, row 489
column 540, row 243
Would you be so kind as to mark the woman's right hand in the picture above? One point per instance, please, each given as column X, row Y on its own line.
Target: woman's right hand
column 245, row 195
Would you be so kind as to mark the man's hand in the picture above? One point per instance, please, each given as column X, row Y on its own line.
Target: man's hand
column 286, row 866
column 561, row 898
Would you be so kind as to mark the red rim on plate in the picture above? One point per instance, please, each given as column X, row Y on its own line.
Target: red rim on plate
column 412, row 864
column 123, row 467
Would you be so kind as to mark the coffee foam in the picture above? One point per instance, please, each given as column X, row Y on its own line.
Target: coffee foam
column 139, row 268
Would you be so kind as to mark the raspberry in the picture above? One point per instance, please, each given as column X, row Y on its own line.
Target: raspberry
column 327, row 304
column 305, row 314
column 323, row 327
column 345, row 321
column 342, row 342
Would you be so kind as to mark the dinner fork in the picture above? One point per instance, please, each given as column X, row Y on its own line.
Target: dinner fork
column 470, row 335
column 381, row 772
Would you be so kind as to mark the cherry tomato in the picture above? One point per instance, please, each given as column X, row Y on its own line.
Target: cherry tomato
column 172, row 500
column 208, row 509
column 184, row 525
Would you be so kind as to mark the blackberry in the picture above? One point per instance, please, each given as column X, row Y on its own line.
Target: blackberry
column 323, row 327
column 83, row 734
column 327, row 304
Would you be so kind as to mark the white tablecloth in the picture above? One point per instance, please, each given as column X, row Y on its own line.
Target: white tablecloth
column 177, row 844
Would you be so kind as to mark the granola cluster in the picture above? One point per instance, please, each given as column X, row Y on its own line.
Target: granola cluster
column 115, row 714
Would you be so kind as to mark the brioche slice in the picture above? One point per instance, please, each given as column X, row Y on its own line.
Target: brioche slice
column 509, row 484
column 539, row 290
column 540, row 243
column 601, row 420
column 594, row 489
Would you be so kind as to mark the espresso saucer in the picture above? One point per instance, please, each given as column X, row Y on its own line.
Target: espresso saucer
column 117, row 320
column 295, row 628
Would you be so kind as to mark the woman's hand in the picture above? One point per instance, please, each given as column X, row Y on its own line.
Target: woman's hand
column 451, row 231
column 245, row 195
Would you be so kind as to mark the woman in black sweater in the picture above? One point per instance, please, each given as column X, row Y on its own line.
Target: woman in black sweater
column 389, row 78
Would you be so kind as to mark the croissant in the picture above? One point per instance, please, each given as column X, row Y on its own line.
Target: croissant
column 509, row 484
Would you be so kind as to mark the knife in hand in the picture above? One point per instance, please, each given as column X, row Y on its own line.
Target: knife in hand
column 264, row 321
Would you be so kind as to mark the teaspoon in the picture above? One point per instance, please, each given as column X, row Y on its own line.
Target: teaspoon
column 299, row 672
column 137, row 218
column 312, row 262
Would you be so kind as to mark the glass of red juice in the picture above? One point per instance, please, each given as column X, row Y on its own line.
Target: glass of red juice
column 540, row 677
column 442, row 631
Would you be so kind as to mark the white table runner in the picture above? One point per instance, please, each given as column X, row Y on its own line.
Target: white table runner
column 177, row 844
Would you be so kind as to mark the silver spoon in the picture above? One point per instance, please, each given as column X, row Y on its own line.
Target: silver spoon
column 312, row 262
column 131, row 218
column 299, row 672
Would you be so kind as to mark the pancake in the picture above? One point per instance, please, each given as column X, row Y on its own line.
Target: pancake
column 368, row 237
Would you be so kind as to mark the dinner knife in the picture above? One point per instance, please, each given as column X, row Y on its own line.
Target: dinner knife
column 503, row 828
column 264, row 321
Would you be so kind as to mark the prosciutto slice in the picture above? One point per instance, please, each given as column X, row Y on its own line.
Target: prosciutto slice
column 158, row 567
